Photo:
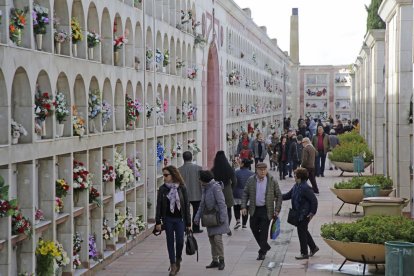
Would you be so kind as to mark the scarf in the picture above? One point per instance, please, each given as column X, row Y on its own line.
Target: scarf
column 173, row 196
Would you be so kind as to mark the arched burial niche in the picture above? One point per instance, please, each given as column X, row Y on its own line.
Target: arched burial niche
column 118, row 45
column 78, row 13
column 80, row 107
column 172, row 109
column 139, row 58
column 139, row 96
column 94, row 107
column 119, row 106
column 3, row 34
column 93, row 26
column 129, row 47
column 159, row 106
column 150, row 104
column 158, row 60
column 149, row 50
column 26, row 34
column 63, row 92
column 179, row 109
column 48, row 37
column 130, row 93
column 62, row 23
column 107, row 106
column 166, row 105
column 166, row 52
column 43, row 99
column 172, row 64
column 184, row 106
column 22, row 104
column 4, row 110
column 107, row 40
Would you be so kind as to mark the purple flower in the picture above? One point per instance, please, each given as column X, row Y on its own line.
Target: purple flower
column 45, row 20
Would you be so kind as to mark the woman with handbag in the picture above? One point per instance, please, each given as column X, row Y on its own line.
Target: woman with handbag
column 173, row 212
column 304, row 207
column 213, row 215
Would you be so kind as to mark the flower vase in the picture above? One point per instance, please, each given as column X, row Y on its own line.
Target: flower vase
column 58, row 47
column 43, row 125
column 19, row 37
column 39, row 41
column 75, row 50
column 76, row 196
column 116, row 58
column 15, row 140
column 59, row 130
column 164, row 69
column 90, row 53
column 92, row 126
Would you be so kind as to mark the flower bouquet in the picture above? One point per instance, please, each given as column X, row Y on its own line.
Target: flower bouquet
column 120, row 41
column 192, row 73
column 49, row 254
column 39, row 215
column 94, row 196
column 81, row 177
column 135, row 165
column 159, row 57
column 131, row 228
column 159, row 110
column 61, row 110
column 108, row 173
column 40, row 17
column 124, row 175
column 148, row 110
column 60, row 36
column 21, row 224
column 77, row 246
column 94, row 103
column 93, row 38
column 93, row 253
column 44, row 105
column 106, row 112
column 106, row 230
column 62, row 188
column 119, row 223
column 58, row 205
column 179, row 149
column 140, row 223
column 192, row 145
column 16, row 131
column 78, row 123
column 179, row 63
column 200, row 40
column 133, row 109
column 17, row 23
column 149, row 53
column 166, row 59
column 76, row 30
column 7, row 207
column 160, row 152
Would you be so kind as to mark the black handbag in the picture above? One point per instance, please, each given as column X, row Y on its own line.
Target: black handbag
column 191, row 246
column 210, row 218
column 293, row 217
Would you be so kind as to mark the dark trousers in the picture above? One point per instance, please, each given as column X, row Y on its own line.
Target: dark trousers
column 174, row 226
column 259, row 223
column 320, row 163
column 282, row 169
column 305, row 238
column 196, row 205
column 229, row 214
column 312, row 179
column 237, row 209
column 257, row 160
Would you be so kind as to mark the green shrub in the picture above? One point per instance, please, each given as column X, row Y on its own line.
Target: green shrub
column 345, row 152
column 371, row 229
column 358, row 181
column 351, row 136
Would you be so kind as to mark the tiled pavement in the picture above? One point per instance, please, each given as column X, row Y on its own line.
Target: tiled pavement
column 150, row 257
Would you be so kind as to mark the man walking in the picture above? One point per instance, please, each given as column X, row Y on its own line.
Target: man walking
column 321, row 143
column 308, row 162
column 190, row 174
column 263, row 192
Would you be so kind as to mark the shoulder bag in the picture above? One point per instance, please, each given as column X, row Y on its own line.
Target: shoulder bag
column 191, row 246
column 211, row 217
column 293, row 217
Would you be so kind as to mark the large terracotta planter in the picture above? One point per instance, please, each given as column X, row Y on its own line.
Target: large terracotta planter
column 367, row 253
column 347, row 167
column 389, row 206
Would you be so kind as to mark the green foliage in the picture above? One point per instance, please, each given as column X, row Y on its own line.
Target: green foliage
column 346, row 151
column 358, row 181
column 374, row 21
column 351, row 136
column 371, row 229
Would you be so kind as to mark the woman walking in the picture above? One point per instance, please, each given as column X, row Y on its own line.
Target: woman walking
column 223, row 172
column 212, row 198
column 305, row 203
column 242, row 175
column 173, row 211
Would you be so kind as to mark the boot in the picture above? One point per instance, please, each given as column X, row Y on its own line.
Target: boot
column 173, row 269
column 214, row 263
column 221, row 264
column 178, row 264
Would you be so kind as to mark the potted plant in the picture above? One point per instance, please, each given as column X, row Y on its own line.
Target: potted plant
column 363, row 240
column 76, row 35
column 40, row 21
column 61, row 112
column 94, row 39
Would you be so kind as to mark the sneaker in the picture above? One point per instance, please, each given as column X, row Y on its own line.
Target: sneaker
column 314, row 251
column 261, row 257
column 237, row 226
column 229, row 233
column 302, row 257
column 244, row 226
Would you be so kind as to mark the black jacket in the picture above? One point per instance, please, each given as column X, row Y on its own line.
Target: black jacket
column 163, row 204
column 303, row 199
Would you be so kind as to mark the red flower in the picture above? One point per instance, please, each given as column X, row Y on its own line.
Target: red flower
column 46, row 95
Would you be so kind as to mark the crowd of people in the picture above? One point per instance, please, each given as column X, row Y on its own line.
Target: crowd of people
column 252, row 196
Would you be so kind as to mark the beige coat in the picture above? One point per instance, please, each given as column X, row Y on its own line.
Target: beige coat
column 308, row 157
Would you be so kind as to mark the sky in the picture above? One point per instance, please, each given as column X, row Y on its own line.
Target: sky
column 331, row 32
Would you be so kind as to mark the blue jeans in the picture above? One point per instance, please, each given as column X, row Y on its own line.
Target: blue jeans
column 320, row 163
column 174, row 225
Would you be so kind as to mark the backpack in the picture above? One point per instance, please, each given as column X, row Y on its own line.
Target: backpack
column 191, row 246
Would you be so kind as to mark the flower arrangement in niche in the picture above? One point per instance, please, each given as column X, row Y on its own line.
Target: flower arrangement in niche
column 179, row 149
column 166, row 59
column 94, row 103
column 44, row 105
column 159, row 108
column 149, row 53
column 1, row 16
column 106, row 230
column 78, row 123
column 58, row 205
column 131, row 228
column 93, row 252
column 77, row 246
column 17, row 130
column 48, row 255
column 17, row 23
column 124, row 174
column 61, row 109
column 93, row 39
column 140, row 223
column 135, row 165
column 108, row 172
column 133, row 109
column 159, row 57
column 81, row 176
column 148, row 110
column 119, row 222
column 120, row 41
column 186, row 16
column 62, row 187
column 165, row 106
column 76, row 30
column 192, row 145
column 39, row 215
column 40, row 17
column 21, row 224
column 160, row 152
column 179, row 63
column 192, row 73
column 106, row 112
column 94, row 196
column 59, row 35
column 200, row 40
column 7, row 207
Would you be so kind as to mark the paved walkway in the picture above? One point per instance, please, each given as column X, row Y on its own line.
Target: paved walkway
column 150, row 257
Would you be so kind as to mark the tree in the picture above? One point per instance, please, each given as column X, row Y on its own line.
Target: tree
column 374, row 21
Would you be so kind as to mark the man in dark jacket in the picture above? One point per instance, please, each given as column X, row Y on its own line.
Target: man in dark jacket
column 308, row 162
column 263, row 192
column 190, row 173
column 321, row 143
